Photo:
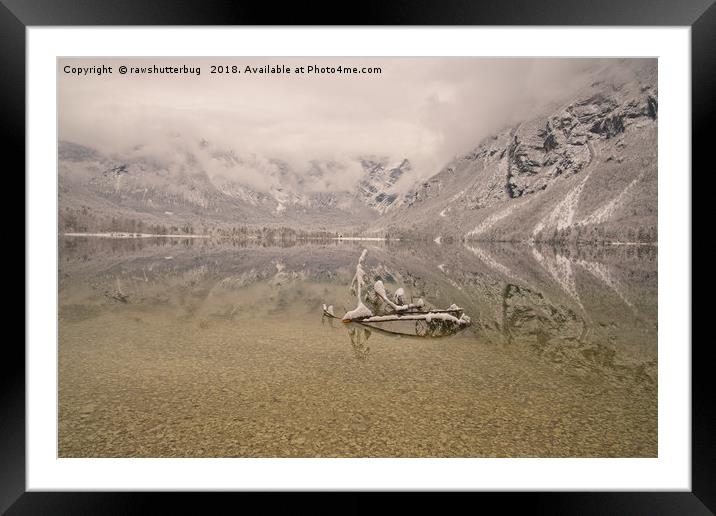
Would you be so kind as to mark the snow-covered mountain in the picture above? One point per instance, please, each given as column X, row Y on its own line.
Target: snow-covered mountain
column 585, row 170
column 378, row 189
column 217, row 186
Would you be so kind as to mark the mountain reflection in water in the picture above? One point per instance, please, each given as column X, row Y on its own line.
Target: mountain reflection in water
column 218, row 348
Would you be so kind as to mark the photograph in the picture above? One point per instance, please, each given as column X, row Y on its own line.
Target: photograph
column 338, row 257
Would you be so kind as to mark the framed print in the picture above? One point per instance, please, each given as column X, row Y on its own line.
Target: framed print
column 419, row 253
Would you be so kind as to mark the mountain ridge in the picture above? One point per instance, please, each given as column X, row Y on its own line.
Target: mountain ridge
column 539, row 180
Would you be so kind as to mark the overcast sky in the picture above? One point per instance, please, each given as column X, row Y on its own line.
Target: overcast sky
column 425, row 109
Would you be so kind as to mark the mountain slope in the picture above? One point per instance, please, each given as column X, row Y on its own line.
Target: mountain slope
column 584, row 171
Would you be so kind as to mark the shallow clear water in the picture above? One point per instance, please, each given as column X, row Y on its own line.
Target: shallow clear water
column 218, row 349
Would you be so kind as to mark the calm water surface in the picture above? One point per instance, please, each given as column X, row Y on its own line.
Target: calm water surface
column 199, row 348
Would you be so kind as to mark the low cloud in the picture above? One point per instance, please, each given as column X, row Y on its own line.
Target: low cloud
column 252, row 128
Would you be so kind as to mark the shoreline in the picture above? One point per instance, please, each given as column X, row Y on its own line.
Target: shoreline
column 121, row 234
column 126, row 235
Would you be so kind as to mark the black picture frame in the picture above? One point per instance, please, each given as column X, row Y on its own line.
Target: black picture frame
column 17, row 15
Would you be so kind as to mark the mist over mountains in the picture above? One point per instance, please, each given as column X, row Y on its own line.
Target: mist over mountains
column 582, row 167
column 96, row 190
column 586, row 170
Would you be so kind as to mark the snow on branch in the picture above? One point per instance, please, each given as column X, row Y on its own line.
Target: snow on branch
column 379, row 289
column 357, row 285
column 359, row 279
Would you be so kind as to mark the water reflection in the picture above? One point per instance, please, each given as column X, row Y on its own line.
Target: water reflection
column 547, row 324
column 591, row 308
column 359, row 338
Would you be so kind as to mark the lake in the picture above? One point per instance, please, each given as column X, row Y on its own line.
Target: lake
column 218, row 348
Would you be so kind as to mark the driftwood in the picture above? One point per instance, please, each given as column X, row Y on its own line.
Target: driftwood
column 419, row 320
